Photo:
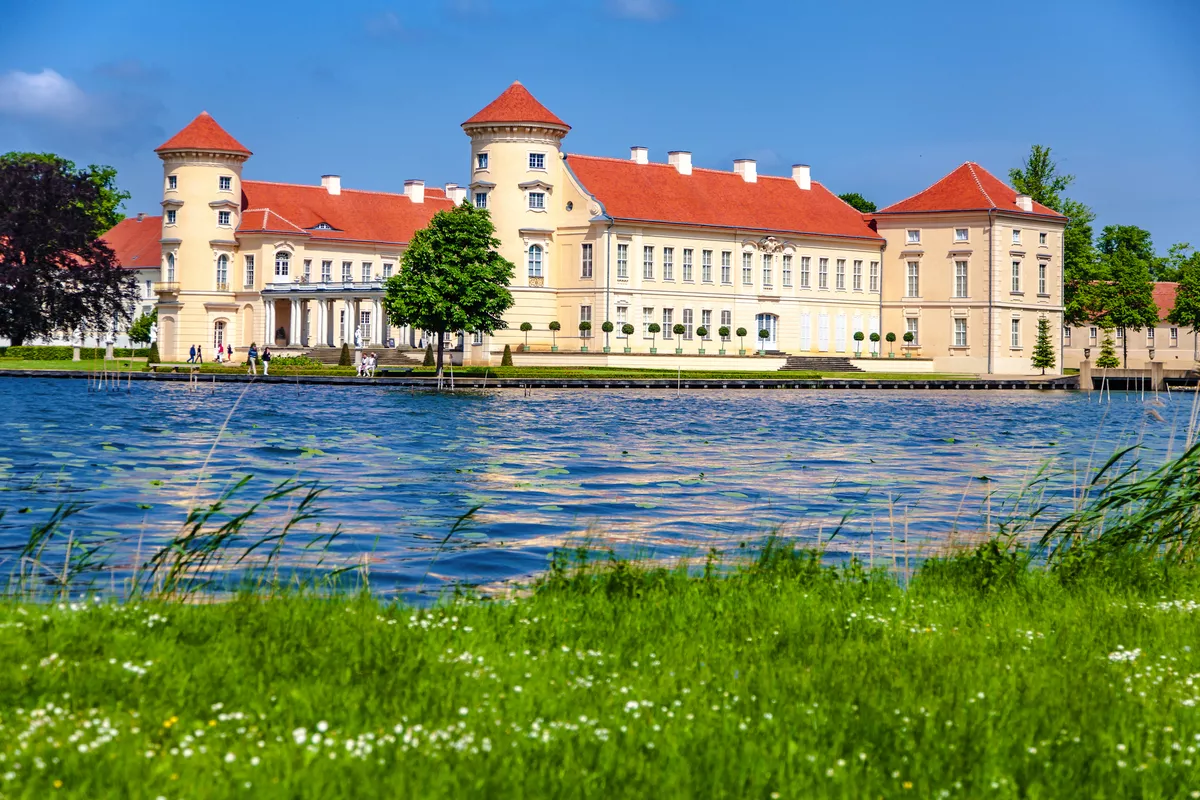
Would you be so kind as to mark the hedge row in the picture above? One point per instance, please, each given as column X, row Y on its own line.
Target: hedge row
column 65, row 353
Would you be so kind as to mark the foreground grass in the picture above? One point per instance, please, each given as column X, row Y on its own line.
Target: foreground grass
column 84, row 365
column 784, row 680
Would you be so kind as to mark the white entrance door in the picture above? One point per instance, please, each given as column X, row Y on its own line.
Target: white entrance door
column 364, row 326
column 769, row 323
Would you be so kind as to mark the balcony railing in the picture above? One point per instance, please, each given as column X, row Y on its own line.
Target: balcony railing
column 166, row 287
column 222, row 287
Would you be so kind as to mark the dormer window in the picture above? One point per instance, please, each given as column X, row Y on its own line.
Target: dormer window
column 172, row 182
column 322, row 226
column 914, row 237
column 481, row 161
column 225, row 183
column 537, row 160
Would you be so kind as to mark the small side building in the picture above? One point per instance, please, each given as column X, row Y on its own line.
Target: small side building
column 1175, row 346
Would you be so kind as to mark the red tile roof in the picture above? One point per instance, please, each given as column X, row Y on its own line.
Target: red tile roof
column 136, row 243
column 354, row 215
column 968, row 188
column 516, row 104
column 659, row 193
column 203, row 133
column 1164, row 297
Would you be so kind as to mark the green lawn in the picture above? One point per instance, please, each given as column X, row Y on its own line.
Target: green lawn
column 91, row 365
column 785, row 680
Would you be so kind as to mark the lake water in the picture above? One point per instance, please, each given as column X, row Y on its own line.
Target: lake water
column 655, row 473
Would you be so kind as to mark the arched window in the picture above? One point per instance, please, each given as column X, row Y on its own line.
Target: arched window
column 218, row 333
column 535, row 261
column 282, row 263
column 222, row 273
column 170, row 267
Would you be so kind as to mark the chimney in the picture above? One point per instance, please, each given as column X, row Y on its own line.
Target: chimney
column 639, row 155
column 747, row 168
column 680, row 160
column 414, row 190
column 1024, row 202
column 141, row 216
column 802, row 176
column 332, row 183
column 455, row 193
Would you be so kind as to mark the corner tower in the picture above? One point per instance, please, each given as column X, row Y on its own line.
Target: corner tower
column 517, row 173
column 202, row 203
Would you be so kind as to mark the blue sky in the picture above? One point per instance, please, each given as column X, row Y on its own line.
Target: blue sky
column 880, row 98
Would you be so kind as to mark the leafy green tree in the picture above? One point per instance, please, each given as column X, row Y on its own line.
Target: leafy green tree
column 104, row 207
column 56, row 274
column 1108, row 354
column 1178, row 255
column 1039, row 178
column 453, row 278
column 1043, row 348
column 858, row 201
column 1186, row 311
column 1133, row 240
column 1126, row 299
column 139, row 331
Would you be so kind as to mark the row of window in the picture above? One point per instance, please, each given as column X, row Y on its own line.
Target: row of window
column 913, row 325
column 1093, row 332
column 224, row 218
column 913, row 236
column 224, row 183
column 283, row 266
column 536, row 161
column 767, row 262
column 962, row 285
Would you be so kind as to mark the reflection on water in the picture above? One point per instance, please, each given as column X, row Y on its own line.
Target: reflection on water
column 659, row 473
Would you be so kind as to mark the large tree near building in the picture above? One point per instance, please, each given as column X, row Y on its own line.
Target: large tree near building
column 452, row 278
column 104, row 207
column 1186, row 312
column 1039, row 178
column 56, row 275
column 1125, row 299
column 859, row 202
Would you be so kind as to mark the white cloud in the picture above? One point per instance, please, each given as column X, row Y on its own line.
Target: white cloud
column 41, row 95
column 645, row 10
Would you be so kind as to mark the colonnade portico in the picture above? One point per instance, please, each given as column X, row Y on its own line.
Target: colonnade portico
column 312, row 317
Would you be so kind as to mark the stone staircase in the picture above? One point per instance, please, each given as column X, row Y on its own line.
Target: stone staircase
column 819, row 364
column 387, row 357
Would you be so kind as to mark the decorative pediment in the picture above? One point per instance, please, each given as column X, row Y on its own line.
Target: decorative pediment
column 538, row 184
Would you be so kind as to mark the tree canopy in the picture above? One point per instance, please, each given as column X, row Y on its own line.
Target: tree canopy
column 139, row 331
column 104, row 207
column 56, row 274
column 858, row 201
column 1039, row 178
column 1186, row 311
column 452, row 278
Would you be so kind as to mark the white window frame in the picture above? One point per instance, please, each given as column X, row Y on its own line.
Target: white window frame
column 308, row 269
column 537, row 201
column 1016, row 277
column 622, row 320
column 822, row 273
column 805, row 272
column 537, row 161
column 585, row 260
column 727, row 267
column 874, row 280
column 171, row 216
column 248, row 266
column 688, row 275
column 481, row 161
column 689, row 323
column 726, row 322
column 387, row 269
column 224, row 219
column 647, row 318
column 1042, row 289
column 768, row 270
column 172, row 182
column 283, row 264
column 585, row 315
column 912, row 236
column 367, row 269
column 1016, row 236
column 668, row 263
column 706, row 322
column 222, row 272
column 787, row 269
column 648, row 262
column 623, row 261
column 856, row 275
column 1015, row 333
column 839, row 275
column 960, row 332
column 912, row 285
column 961, row 234
column 1041, row 237
column 347, row 272
column 224, row 183
column 962, row 283
column 534, row 267
column 706, row 273
column 747, row 269
column 326, row 271
column 913, row 325
column 481, row 200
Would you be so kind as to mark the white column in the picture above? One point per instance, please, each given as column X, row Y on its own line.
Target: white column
column 268, row 321
column 318, row 318
column 294, row 327
column 380, row 337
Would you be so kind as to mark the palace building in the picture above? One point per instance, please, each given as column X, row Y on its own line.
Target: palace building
column 967, row 265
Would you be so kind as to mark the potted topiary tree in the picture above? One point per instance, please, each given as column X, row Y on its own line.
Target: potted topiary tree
column 526, row 327
column 628, row 330
column 585, row 328
column 723, row 332
column 607, row 327
column 702, row 332
column 874, row 345
column 763, row 335
column 506, row 359
column 891, row 340
column 679, row 331
column 653, row 328
column 858, row 338
column 741, row 334
column 555, row 327
column 908, row 340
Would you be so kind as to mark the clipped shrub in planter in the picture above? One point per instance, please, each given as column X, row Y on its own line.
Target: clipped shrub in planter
column 858, row 338
column 723, row 332
column 152, row 356
column 891, row 340
column 874, row 345
column 741, row 334
column 555, row 327
column 653, row 328
column 429, row 360
column 526, row 327
column 344, row 359
column 585, row 328
column 702, row 332
column 506, row 359
column 763, row 335
column 679, row 330
column 908, row 340
column 628, row 330
column 607, row 327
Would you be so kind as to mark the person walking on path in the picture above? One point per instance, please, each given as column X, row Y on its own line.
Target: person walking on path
column 251, row 358
column 192, row 355
column 229, row 353
column 199, row 354
column 266, row 361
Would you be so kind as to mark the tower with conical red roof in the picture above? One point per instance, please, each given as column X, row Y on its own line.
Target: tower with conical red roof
column 202, row 192
column 517, row 173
